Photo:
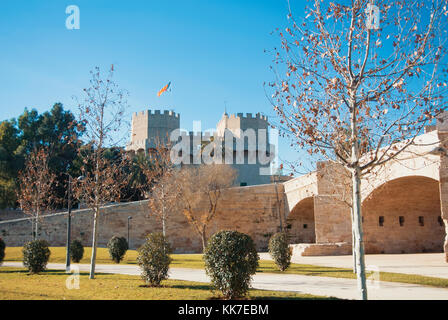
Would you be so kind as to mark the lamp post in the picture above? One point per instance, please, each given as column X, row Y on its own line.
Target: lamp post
column 69, row 220
column 129, row 219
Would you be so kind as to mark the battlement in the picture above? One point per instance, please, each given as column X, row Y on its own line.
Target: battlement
column 167, row 113
column 192, row 135
column 248, row 116
column 148, row 125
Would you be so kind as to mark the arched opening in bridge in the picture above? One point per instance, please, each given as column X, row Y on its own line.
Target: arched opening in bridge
column 300, row 222
column 403, row 216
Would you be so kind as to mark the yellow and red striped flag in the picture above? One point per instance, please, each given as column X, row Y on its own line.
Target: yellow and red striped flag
column 164, row 89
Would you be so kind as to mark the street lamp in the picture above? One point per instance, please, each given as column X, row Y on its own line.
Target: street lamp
column 129, row 218
column 69, row 220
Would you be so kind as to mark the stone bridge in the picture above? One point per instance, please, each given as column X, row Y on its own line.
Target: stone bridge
column 402, row 203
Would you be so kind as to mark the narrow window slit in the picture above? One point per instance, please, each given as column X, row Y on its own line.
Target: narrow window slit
column 421, row 221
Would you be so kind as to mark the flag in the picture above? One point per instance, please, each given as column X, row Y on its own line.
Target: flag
column 164, row 89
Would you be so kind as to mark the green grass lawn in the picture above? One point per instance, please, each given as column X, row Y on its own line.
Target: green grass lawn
column 195, row 261
column 17, row 284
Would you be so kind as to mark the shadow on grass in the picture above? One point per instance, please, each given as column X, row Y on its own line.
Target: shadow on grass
column 260, row 297
column 250, row 297
column 308, row 271
column 50, row 272
column 13, row 271
column 191, row 287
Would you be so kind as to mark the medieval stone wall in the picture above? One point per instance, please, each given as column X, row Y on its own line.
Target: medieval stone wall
column 300, row 222
column 403, row 216
column 254, row 210
column 331, row 205
column 11, row 214
column 443, row 179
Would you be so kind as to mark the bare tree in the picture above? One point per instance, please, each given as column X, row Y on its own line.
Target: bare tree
column 356, row 83
column 163, row 190
column 36, row 182
column 163, row 199
column 200, row 190
column 101, row 111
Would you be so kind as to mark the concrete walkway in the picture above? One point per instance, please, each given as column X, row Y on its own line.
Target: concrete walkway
column 425, row 264
column 324, row 286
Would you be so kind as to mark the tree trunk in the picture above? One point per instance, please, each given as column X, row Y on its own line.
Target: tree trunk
column 33, row 227
column 358, row 234
column 353, row 243
column 204, row 240
column 96, row 210
column 94, row 244
column 278, row 207
column 36, row 232
column 163, row 212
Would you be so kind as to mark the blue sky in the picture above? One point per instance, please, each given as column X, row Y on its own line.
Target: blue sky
column 211, row 51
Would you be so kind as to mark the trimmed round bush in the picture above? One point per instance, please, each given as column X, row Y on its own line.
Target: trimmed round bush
column 117, row 248
column 154, row 260
column 280, row 251
column 230, row 261
column 36, row 255
column 76, row 251
column 2, row 250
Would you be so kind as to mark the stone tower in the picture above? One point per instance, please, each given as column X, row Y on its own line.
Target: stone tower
column 237, row 122
column 248, row 173
column 148, row 126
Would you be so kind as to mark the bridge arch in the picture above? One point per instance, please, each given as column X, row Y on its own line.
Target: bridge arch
column 403, row 215
column 300, row 222
column 417, row 160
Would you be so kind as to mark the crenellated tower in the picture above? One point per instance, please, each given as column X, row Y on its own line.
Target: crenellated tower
column 244, row 131
column 148, row 126
column 239, row 126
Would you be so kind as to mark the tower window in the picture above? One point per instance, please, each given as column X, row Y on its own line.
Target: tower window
column 401, row 221
column 381, row 221
column 421, row 221
column 305, row 226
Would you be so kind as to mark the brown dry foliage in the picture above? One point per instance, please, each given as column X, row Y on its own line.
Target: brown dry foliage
column 200, row 190
column 36, row 182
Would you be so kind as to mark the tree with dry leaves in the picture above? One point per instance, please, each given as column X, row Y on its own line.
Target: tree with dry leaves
column 200, row 192
column 163, row 190
column 101, row 111
column 357, row 81
column 36, row 186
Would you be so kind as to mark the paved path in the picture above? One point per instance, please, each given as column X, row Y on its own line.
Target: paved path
column 325, row 286
column 426, row 264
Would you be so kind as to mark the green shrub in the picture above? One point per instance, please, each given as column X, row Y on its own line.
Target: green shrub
column 280, row 251
column 230, row 261
column 76, row 251
column 154, row 260
column 2, row 250
column 35, row 255
column 117, row 248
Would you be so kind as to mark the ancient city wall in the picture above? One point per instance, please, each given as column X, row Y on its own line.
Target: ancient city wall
column 11, row 214
column 443, row 179
column 255, row 210
column 331, row 204
column 403, row 216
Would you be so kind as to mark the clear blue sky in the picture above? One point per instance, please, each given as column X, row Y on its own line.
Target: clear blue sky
column 211, row 51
